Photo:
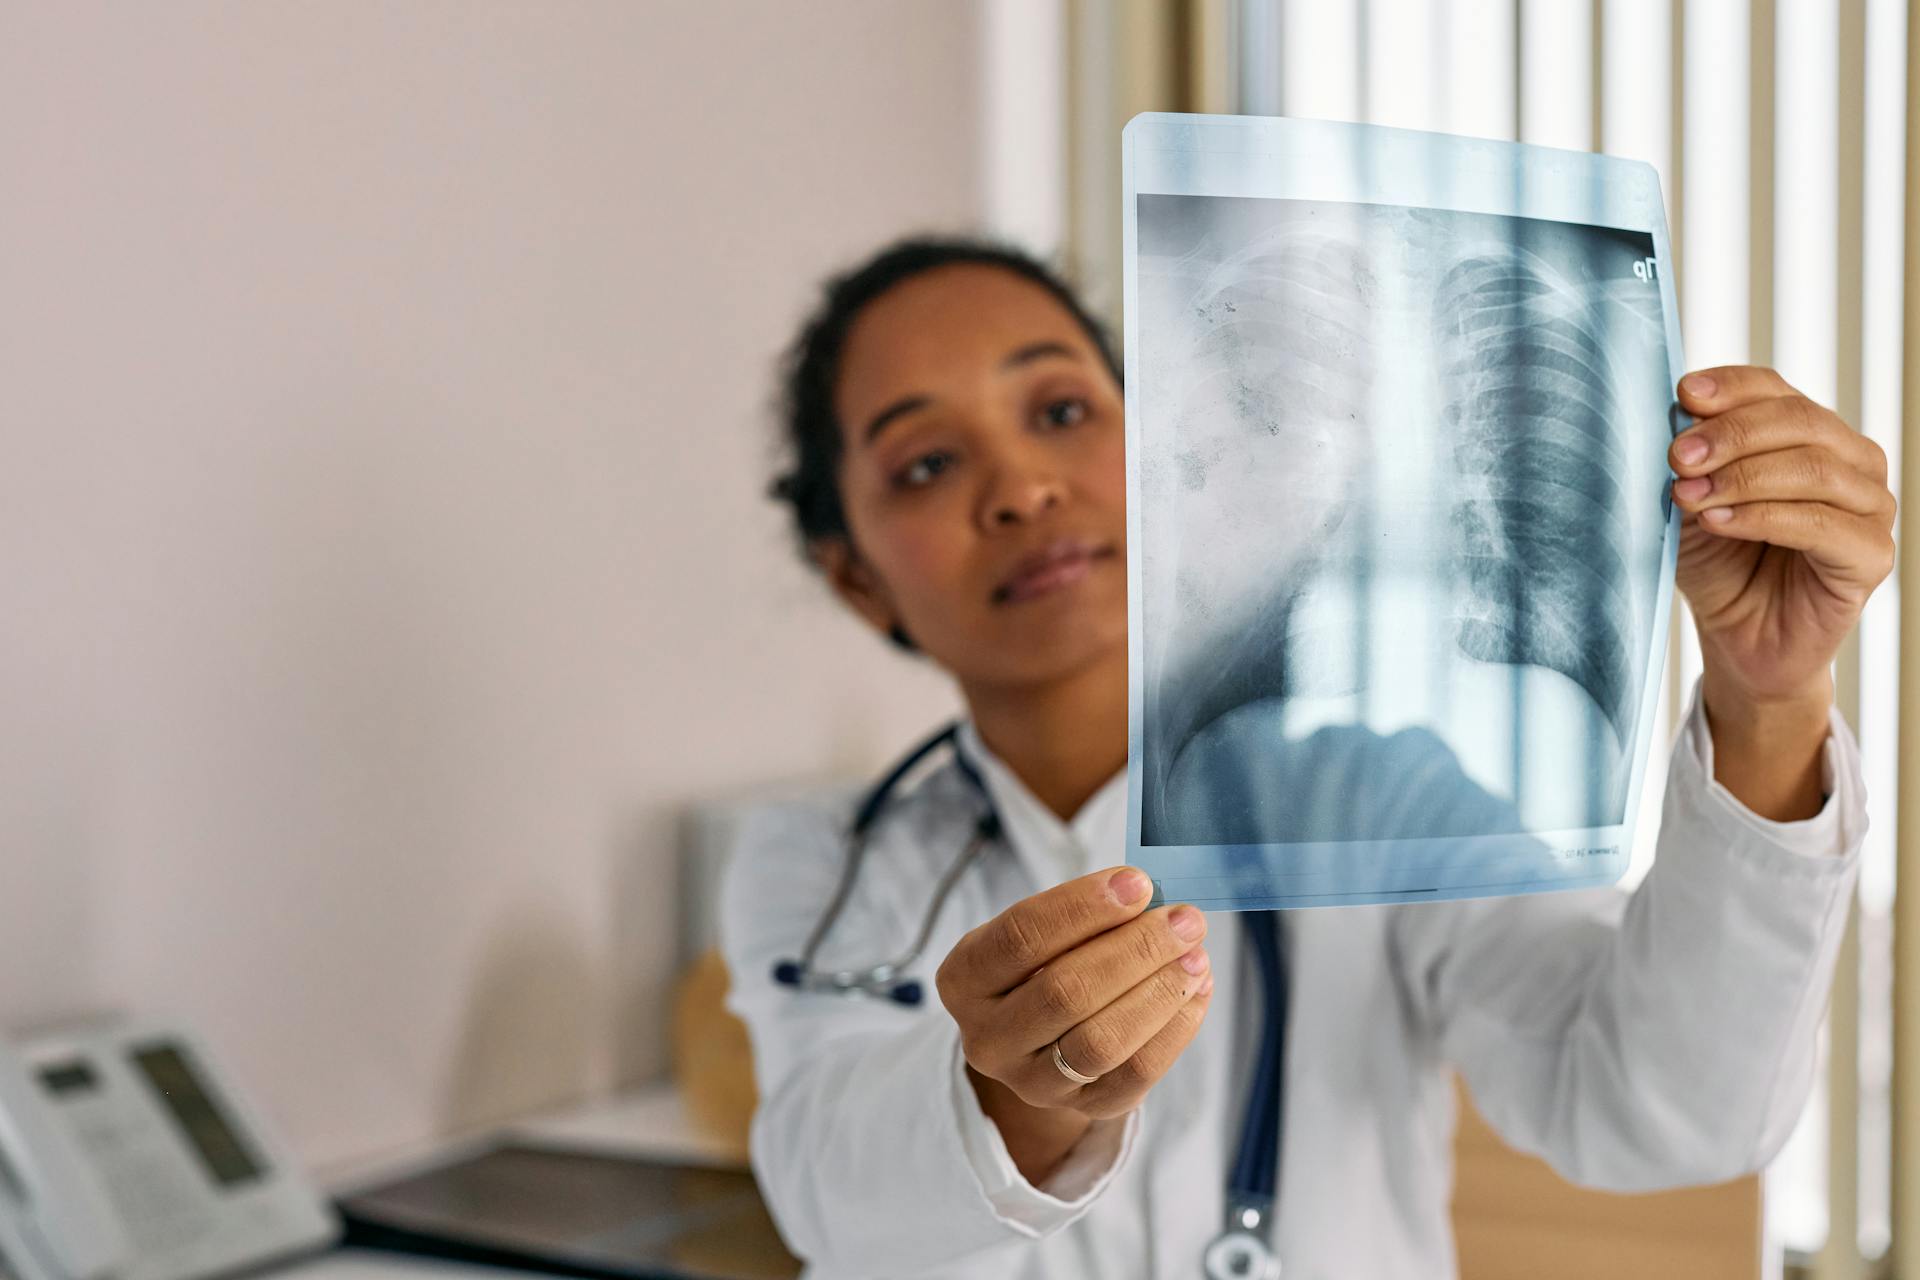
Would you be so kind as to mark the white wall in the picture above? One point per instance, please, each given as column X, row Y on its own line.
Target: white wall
column 383, row 561
column 1023, row 126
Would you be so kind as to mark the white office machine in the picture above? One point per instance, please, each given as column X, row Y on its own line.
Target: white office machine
column 125, row 1154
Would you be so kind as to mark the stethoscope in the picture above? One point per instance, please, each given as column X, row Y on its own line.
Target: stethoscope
column 1240, row 1251
column 884, row 979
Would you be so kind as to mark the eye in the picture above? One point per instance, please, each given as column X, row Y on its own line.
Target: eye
column 922, row 470
column 1064, row 413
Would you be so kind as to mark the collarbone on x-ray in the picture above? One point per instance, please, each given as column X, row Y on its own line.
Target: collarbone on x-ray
column 1400, row 473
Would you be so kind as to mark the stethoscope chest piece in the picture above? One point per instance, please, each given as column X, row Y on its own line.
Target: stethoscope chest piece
column 1241, row 1255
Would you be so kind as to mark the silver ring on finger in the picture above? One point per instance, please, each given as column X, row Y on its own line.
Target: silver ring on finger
column 1067, row 1071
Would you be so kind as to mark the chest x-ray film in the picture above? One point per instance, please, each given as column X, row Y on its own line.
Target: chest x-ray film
column 1400, row 547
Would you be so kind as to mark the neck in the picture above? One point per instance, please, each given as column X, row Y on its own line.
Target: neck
column 1064, row 739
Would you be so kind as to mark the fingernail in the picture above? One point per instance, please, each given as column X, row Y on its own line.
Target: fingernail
column 1206, row 985
column 1195, row 961
column 1690, row 449
column 1692, row 489
column 1129, row 886
column 1187, row 923
column 1717, row 515
column 1698, row 385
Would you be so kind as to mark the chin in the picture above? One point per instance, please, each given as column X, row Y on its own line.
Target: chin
column 1036, row 642
column 1043, row 651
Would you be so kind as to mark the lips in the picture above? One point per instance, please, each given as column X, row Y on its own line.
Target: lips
column 1060, row 563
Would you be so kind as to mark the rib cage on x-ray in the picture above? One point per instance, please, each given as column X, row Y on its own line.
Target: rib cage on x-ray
column 1533, row 426
column 1385, row 454
column 1285, row 348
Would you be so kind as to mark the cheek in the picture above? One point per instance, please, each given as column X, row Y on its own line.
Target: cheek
column 921, row 554
column 924, row 552
column 1105, row 477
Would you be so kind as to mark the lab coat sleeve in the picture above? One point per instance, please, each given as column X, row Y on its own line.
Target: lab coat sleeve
column 1661, row 1038
column 869, row 1143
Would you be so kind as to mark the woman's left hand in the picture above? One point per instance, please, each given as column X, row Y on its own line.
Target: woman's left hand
column 1786, row 530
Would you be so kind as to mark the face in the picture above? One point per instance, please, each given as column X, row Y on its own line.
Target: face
column 983, row 478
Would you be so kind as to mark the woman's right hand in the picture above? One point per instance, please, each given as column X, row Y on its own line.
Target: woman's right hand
column 1122, row 989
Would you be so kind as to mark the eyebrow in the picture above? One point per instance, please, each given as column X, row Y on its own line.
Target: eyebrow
column 1038, row 351
column 897, row 409
column 910, row 404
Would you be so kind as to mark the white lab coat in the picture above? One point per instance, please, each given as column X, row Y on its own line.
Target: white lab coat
column 1635, row 1041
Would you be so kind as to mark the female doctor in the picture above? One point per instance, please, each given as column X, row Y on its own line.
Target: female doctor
column 1098, row 1088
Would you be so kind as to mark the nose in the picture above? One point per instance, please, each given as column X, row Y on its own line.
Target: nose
column 1023, row 487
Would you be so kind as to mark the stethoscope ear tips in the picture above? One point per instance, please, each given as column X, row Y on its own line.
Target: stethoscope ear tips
column 909, row 993
column 787, row 973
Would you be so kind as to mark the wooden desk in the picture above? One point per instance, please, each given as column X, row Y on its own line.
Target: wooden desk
column 1516, row 1219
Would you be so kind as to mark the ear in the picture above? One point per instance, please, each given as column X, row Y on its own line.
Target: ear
column 858, row 587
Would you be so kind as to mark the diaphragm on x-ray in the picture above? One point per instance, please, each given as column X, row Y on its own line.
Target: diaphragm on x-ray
column 1400, row 548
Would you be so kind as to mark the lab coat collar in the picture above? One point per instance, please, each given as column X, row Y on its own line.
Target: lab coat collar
column 1052, row 850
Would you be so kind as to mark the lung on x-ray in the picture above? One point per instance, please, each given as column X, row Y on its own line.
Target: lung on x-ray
column 1400, row 548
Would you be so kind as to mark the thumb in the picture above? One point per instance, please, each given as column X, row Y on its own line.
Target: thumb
column 1712, row 571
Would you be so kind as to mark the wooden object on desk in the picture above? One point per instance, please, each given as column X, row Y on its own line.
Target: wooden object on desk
column 1515, row 1218
column 712, row 1057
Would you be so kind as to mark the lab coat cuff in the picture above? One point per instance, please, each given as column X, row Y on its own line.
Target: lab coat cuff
column 1068, row 1191
column 1829, row 840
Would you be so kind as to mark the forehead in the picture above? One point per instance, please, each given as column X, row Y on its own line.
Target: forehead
column 943, row 329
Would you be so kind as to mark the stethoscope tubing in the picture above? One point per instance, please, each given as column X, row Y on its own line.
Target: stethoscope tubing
column 884, row 979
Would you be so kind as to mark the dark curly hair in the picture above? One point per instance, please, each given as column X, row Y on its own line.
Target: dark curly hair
column 810, row 484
